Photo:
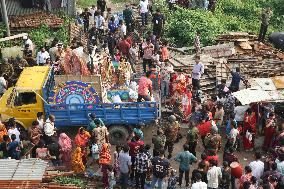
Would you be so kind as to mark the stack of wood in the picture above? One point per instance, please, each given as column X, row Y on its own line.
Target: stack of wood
column 254, row 58
column 236, row 37
column 34, row 20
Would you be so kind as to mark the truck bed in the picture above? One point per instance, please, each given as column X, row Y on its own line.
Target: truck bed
column 128, row 113
column 125, row 113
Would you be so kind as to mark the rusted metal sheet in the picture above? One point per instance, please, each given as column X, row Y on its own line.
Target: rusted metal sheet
column 25, row 169
column 14, row 7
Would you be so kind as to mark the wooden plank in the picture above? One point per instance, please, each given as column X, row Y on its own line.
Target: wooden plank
column 13, row 37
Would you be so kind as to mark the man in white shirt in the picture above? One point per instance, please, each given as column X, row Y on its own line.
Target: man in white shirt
column 99, row 19
column 197, row 71
column 213, row 175
column 144, row 11
column 257, row 166
column 133, row 56
column 42, row 55
column 199, row 184
column 166, row 70
column 240, row 112
column 28, row 41
column 49, row 129
column 122, row 29
column 39, row 116
column 124, row 162
column 234, row 132
column 3, row 84
column 14, row 130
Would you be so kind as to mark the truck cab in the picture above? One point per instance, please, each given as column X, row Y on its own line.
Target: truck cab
column 24, row 100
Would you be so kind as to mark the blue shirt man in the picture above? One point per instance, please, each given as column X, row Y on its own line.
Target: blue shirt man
column 185, row 159
column 236, row 79
column 112, row 26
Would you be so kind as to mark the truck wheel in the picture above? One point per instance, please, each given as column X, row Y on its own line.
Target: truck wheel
column 118, row 135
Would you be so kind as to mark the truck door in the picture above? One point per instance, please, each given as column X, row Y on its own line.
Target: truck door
column 26, row 106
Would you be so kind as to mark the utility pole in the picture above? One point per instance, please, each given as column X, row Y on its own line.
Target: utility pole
column 5, row 16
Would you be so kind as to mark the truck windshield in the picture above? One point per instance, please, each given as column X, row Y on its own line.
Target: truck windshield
column 25, row 98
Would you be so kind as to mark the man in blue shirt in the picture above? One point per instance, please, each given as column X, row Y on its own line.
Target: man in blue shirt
column 236, row 79
column 112, row 26
column 185, row 159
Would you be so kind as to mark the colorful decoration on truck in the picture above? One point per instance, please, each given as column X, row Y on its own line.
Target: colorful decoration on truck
column 74, row 92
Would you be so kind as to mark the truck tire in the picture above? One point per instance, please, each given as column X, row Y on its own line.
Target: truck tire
column 118, row 135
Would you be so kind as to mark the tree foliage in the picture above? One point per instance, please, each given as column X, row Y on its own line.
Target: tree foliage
column 230, row 15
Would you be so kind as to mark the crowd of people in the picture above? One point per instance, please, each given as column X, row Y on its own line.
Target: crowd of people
column 134, row 164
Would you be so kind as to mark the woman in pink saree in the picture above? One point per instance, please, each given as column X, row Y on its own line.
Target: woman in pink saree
column 65, row 145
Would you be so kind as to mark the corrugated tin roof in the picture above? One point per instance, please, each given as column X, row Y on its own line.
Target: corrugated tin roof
column 14, row 7
column 25, row 169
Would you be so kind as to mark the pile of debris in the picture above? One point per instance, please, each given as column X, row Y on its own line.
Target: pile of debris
column 34, row 20
column 255, row 59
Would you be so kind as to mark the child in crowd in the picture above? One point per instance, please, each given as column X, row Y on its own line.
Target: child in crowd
column 41, row 151
column 14, row 148
column 165, row 52
column 26, row 146
column 199, row 170
column 147, row 151
column 173, row 179
column 226, row 176
column 95, row 152
column 115, row 162
column 3, row 147
column 111, row 177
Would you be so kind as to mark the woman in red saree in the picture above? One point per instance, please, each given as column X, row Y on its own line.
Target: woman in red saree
column 249, row 129
column 81, row 140
column 65, row 145
column 270, row 132
column 245, row 177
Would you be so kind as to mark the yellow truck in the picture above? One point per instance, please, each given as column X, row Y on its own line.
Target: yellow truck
column 25, row 99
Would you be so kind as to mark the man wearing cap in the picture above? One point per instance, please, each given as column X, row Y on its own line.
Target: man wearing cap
column 212, row 140
column 171, row 130
column 28, row 41
column 159, row 141
column 92, row 123
column 28, row 55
